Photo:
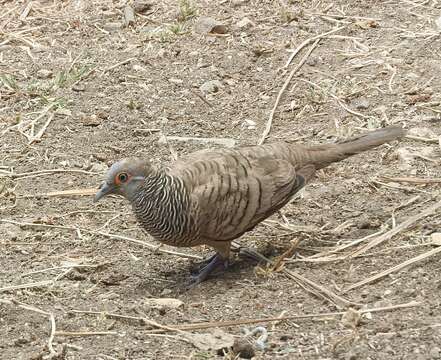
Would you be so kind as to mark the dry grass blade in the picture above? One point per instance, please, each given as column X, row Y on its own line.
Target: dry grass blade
column 26, row 286
column 393, row 269
column 310, row 40
column 412, row 180
column 73, row 192
column 26, row 128
column 152, row 247
column 45, row 172
column 423, row 139
column 335, row 97
column 279, row 263
column 143, row 243
column 117, row 65
column 208, row 325
column 143, row 319
column 40, row 133
column 282, row 90
column 72, row 266
column 86, row 333
column 334, row 251
column 308, row 285
column 391, row 233
column 325, row 293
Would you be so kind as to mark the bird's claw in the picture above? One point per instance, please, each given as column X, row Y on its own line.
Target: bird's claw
column 216, row 262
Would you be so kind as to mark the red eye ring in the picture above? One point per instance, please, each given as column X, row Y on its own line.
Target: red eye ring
column 121, row 178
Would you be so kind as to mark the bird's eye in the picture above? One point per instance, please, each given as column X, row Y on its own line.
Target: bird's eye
column 122, row 177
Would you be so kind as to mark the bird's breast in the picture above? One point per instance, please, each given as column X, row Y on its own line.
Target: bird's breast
column 167, row 218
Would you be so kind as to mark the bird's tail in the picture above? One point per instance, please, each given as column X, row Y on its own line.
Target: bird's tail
column 323, row 155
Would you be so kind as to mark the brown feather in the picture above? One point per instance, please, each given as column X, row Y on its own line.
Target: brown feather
column 213, row 197
column 234, row 190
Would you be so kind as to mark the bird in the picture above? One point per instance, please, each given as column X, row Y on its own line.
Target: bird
column 211, row 197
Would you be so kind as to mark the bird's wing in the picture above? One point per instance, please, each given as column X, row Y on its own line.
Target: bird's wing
column 234, row 192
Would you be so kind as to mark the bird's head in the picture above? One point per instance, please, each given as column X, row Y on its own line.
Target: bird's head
column 124, row 178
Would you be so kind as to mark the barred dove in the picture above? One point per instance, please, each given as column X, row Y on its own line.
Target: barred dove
column 213, row 197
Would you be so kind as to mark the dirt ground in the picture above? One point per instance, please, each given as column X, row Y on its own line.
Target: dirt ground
column 79, row 89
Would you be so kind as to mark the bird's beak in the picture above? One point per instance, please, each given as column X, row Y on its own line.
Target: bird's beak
column 104, row 190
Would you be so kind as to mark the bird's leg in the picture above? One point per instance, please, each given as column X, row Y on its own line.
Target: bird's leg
column 217, row 262
column 202, row 264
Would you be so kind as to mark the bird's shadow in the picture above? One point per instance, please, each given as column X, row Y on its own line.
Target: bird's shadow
column 243, row 261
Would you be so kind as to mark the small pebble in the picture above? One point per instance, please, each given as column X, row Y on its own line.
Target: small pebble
column 211, row 86
column 202, row 64
column 113, row 26
column 166, row 292
column 78, row 87
column 362, row 104
column 44, row 74
column 206, row 25
column 129, row 15
column 245, row 23
column 388, row 292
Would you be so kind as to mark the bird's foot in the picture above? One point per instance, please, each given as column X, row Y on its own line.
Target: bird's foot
column 197, row 267
column 216, row 262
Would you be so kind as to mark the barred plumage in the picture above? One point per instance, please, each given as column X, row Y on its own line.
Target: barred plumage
column 214, row 197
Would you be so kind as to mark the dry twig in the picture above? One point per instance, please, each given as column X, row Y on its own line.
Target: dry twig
column 310, row 40
column 154, row 248
column 86, row 333
column 412, row 180
column 282, row 90
column 26, row 285
column 391, row 233
column 116, row 65
column 44, row 172
column 208, row 325
column 306, row 284
column 393, row 269
column 72, row 192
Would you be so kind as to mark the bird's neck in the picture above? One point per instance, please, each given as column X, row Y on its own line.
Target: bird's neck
column 153, row 187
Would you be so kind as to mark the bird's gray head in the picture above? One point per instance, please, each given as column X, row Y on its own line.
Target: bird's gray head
column 125, row 177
